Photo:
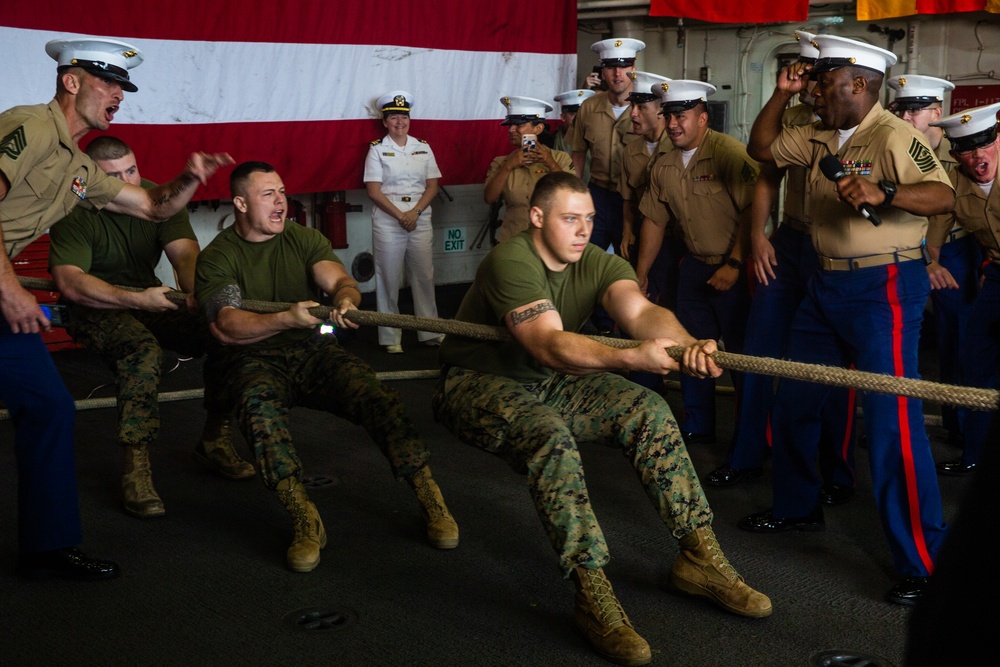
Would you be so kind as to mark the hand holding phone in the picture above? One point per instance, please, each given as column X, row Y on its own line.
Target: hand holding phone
column 57, row 314
column 529, row 143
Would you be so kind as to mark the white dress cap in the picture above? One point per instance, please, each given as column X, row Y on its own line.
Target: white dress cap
column 572, row 99
column 681, row 94
column 916, row 91
column 645, row 86
column 971, row 128
column 101, row 56
column 395, row 101
column 836, row 52
column 618, row 51
column 524, row 110
column 807, row 52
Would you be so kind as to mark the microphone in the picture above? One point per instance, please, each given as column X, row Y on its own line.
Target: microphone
column 833, row 170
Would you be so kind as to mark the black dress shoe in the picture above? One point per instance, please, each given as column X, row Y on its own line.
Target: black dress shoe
column 764, row 522
column 699, row 438
column 956, row 467
column 69, row 563
column 836, row 494
column 726, row 476
column 909, row 591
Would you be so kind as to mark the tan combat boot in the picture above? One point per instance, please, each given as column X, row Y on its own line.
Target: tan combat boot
column 601, row 618
column 702, row 569
column 310, row 536
column 138, row 495
column 215, row 449
column 442, row 531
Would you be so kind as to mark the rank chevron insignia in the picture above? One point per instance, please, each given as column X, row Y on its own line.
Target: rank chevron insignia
column 13, row 144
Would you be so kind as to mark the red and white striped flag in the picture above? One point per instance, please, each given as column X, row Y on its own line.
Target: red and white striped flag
column 295, row 83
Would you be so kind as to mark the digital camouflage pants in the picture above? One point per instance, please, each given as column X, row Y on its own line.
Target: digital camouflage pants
column 266, row 383
column 132, row 342
column 535, row 428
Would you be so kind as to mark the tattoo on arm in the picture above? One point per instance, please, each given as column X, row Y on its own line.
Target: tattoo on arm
column 179, row 184
column 532, row 313
column 227, row 296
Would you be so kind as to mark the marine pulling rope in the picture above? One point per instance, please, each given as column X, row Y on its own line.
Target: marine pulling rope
column 935, row 392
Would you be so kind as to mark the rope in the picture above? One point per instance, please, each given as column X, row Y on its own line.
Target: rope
column 935, row 392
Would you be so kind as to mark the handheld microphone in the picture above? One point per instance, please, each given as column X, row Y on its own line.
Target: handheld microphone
column 833, row 170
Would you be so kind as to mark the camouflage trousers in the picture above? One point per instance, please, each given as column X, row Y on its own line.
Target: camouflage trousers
column 132, row 342
column 318, row 374
column 535, row 428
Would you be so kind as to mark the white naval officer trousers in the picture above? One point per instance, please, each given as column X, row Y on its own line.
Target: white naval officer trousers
column 395, row 250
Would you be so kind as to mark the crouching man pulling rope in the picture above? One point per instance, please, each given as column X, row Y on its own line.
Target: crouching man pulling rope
column 530, row 400
column 275, row 361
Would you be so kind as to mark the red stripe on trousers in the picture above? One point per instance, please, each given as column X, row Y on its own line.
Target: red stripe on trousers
column 903, row 416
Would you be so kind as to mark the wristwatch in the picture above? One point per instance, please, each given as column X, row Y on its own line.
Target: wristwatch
column 419, row 211
column 889, row 188
column 734, row 263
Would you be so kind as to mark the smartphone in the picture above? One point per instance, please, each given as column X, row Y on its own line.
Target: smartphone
column 529, row 141
column 57, row 314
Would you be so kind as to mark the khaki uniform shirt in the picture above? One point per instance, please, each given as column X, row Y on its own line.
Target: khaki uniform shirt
column 517, row 190
column 882, row 147
column 48, row 174
column 636, row 165
column 943, row 153
column 796, row 204
column 597, row 130
column 975, row 212
column 707, row 197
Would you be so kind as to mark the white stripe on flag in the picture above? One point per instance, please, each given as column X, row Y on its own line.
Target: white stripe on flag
column 196, row 82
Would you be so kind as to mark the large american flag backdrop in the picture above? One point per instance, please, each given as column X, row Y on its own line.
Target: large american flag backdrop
column 295, row 83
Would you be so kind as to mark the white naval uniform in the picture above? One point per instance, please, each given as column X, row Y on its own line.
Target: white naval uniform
column 403, row 173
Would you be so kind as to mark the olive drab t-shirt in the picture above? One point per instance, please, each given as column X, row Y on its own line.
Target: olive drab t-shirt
column 117, row 248
column 48, row 174
column 274, row 270
column 513, row 275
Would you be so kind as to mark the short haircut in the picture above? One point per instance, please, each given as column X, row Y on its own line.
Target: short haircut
column 107, row 148
column 873, row 77
column 241, row 174
column 548, row 185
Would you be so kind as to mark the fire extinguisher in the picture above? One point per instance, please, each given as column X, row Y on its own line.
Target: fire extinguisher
column 333, row 221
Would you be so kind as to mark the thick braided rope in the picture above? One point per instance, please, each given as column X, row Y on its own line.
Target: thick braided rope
column 936, row 392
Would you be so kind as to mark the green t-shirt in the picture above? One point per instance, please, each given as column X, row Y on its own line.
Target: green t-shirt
column 274, row 270
column 513, row 275
column 117, row 248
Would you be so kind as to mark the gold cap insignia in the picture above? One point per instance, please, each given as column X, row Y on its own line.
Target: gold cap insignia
column 813, row 42
column 853, row 60
column 129, row 54
column 618, row 43
column 966, row 118
column 664, row 87
column 798, row 38
column 902, row 81
column 399, row 101
column 505, row 101
column 580, row 94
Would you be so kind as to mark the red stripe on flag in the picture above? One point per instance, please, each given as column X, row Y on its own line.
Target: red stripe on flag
column 903, row 417
column 949, row 6
column 732, row 11
column 310, row 156
column 547, row 26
